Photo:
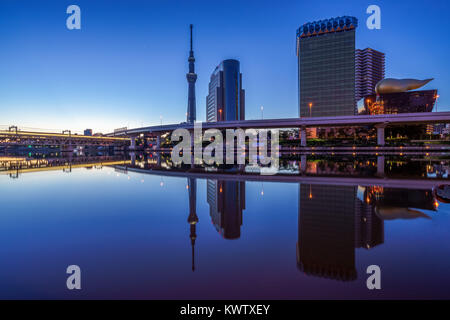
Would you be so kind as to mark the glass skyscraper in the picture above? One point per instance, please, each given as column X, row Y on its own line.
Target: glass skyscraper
column 226, row 99
column 326, row 67
column 226, row 201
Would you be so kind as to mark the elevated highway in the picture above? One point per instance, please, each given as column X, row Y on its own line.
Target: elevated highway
column 379, row 121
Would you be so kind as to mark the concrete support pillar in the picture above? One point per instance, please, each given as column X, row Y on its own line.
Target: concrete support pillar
column 303, row 140
column 133, row 158
column 158, row 142
column 380, row 134
column 192, row 148
column 158, row 159
column 303, row 162
column 69, row 148
column 145, row 144
column 133, row 143
column 380, row 166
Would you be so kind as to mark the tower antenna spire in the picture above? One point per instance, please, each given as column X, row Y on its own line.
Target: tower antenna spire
column 191, row 26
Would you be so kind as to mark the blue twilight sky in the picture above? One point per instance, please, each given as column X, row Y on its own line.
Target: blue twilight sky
column 127, row 64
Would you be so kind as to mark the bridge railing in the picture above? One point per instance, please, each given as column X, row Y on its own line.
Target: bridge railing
column 34, row 129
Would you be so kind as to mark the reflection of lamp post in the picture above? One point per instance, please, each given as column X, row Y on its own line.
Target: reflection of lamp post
column 262, row 112
column 437, row 96
column 310, row 106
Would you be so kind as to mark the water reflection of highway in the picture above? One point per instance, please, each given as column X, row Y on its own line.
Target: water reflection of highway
column 14, row 166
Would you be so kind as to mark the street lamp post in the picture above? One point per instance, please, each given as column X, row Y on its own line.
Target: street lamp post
column 310, row 106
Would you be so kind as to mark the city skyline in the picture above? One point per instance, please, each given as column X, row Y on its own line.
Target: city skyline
column 123, row 73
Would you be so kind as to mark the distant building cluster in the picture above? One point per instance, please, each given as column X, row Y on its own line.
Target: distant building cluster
column 335, row 79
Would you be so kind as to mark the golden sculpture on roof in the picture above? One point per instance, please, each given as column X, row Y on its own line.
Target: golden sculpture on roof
column 390, row 85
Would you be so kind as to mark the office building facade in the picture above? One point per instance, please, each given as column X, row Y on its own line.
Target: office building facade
column 369, row 64
column 326, row 231
column 226, row 201
column 326, row 67
column 226, row 98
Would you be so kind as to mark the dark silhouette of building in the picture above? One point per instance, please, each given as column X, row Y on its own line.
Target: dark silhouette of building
column 226, row 98
column 191, row 76
column 369, row 64
column 226, row 201
column 88, row 132
column 326, row 231
column 326, row 67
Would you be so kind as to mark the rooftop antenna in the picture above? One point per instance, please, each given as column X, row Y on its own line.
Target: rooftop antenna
column 191, row 35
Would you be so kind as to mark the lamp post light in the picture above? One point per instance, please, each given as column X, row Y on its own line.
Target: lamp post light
column 310, row 107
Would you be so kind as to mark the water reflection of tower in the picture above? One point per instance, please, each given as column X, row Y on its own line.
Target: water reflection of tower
column 226, row 201
column 326, row 231
column 192, row 219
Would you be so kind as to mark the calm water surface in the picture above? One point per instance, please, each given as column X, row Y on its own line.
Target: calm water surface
column 150, row 232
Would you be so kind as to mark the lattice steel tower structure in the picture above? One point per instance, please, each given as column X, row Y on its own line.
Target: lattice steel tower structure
column 191, row 78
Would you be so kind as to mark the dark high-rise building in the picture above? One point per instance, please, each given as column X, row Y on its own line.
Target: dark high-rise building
column 226, row 201
column 326, row 67
column 369, row 64
column 226, row 99
column 191, row 76
column 88, row 132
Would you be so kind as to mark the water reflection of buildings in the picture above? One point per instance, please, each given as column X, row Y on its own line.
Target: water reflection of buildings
column 326, row 235
column 226, row 201
column 334, row 220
